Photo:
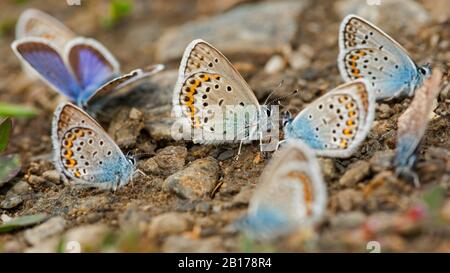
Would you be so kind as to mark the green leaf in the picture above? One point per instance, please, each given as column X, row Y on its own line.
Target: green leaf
column 22, row 221
column 434, row 198
column 19, row 111
column 9, row 167
column 5, row 131
column 118, row 9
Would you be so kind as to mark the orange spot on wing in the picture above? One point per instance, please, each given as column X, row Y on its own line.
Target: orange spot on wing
column 307, row 189
column 347, row 132
column 68, row 154
column 192, row 90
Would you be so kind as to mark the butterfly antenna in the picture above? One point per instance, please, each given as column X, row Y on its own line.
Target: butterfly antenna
column 284, row 97
column 141, row 155
column 276, row 89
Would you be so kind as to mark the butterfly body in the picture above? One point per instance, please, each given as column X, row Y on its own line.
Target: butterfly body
column 366, row 52
column 290, row 194
column 84, row 153
column 336, row 123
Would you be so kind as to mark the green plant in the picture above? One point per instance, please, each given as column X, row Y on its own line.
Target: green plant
column 5, row 131
column 16, row 111
column 7, row 26
column 10, row 164
column 118, row 10
column 22, row 221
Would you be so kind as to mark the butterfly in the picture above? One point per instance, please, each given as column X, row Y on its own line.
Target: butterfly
column 291, row 193
column 80, row 68
column 335, row 124
column 412, row 125
column 366, row 52
column 210, row 94
column 85, row 154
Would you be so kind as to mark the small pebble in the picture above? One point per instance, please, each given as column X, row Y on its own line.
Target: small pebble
column 275, row 64
column 381, row 160
column 20, row 188
column 35, row 180
column 135, row 114
column 348, row 219
column 11, row 201
column 355, row 173
column 385, row 111
column 346, row 200
column 169, row 223
column 167, row 161
column 52, row 176
column 196, row 181
column 51, row 227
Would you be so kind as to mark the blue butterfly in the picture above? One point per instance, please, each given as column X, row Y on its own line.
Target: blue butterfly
column 366, row 52
column 412, row 125
column 85, row 72
column 291, row 194
column 85, row 154
column 335, row 124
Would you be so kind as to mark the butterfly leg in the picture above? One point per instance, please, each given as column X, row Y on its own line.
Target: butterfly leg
column 261, row 151
column 236, row 158
column 279, row 143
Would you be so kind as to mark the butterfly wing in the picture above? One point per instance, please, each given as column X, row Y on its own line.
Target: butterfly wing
column 85, row 153
column 206, row 80
column 117, row 86
column 35, row 23
column 366, row 52
column 42, row 57
column 336, row 123
column 92, row 64
column 413, row 122
column 291, row 191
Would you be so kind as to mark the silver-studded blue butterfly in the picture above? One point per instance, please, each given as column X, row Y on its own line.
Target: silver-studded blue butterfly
column 85, row 71
column 291, row 194
column 85, row 154
column 366, row 52
column 337, row 123
column 412, row 125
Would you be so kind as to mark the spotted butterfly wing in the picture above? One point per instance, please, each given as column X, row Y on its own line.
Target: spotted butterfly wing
column 291, row 193
column 335, row 124
column 84, row 153
column 366, row 52
column 207, row 81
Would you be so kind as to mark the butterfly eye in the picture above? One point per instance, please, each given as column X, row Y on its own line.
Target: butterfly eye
column 131, row 160
column 423, row 70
